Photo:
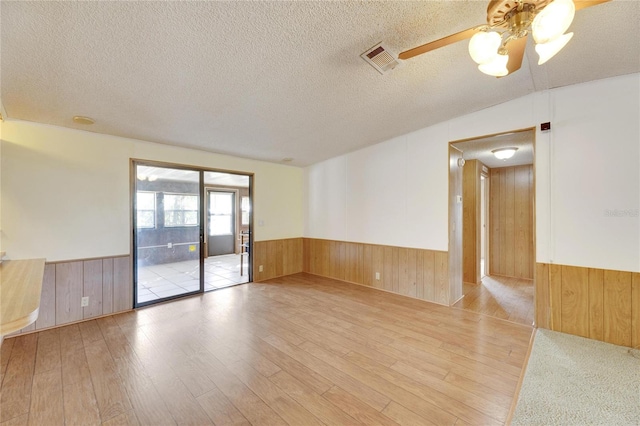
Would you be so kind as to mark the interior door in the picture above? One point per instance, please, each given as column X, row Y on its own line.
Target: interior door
column 221, row 222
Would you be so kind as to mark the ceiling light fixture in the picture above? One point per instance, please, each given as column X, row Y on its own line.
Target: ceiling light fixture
column 504, row 153
column 489, row 47
column 509, row 23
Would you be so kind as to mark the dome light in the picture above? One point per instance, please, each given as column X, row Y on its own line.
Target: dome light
column 504, row 153
column 483, row 46
column 553, row 21
column 548, row 50
column 497, row 67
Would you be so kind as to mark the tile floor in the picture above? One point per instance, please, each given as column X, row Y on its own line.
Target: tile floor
column 170, row 279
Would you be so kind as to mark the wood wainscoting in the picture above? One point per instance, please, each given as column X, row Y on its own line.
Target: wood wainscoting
column 106, row 281
column 277, row 258
column 595, row 303
column 418, row 273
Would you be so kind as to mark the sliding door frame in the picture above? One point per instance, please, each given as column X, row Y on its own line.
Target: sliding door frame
column 133, row 163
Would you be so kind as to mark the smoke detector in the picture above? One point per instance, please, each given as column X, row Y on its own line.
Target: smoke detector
column 380, row 58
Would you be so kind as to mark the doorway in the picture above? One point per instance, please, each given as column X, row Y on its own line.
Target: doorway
column 498, row 227
column 221, row 218
column 187, row 236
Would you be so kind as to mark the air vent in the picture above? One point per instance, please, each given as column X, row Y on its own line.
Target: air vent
column 380, row 58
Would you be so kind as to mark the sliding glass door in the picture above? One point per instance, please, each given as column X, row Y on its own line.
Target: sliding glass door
column 191, row 230
column 168, row 233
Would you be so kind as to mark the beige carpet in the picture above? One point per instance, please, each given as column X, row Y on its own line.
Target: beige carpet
column 575, row 381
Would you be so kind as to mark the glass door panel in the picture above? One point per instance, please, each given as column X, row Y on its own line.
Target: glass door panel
column 221, row 236
column 228, row 229
column 168, row 232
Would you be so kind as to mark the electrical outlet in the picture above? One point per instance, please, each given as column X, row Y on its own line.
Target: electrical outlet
column 85, row 302
column 378, row 276
column 169, row 245
column 260, row 268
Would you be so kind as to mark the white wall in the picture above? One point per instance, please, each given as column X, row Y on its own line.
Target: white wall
column 66, row 195
column 395, row 193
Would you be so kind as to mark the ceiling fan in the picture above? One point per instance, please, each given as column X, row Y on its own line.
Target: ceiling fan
column 498, row 46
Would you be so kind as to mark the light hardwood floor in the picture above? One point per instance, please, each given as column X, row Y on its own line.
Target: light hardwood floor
column 501, row 297
column 298, row 350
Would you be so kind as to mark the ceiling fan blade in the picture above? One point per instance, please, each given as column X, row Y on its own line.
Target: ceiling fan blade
column 453, row 38
column 516, row 53
column 583, row 4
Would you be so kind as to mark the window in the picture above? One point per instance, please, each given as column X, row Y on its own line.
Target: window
column 146, row 209
column 220, row 213
column 245, row 207
column 180, row 210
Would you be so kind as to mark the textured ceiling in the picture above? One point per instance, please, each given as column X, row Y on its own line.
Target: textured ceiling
column 269, row 80
column 480, row 149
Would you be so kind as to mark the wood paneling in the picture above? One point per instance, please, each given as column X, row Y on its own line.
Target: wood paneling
column 69, row 289
column 47, row 314
column 122, row 284
column 511, row 222
column 542, row 296
column 283, row 257
column 471, row 227
column 596, row 304
column 93, row 288
column 555, row 291
column 417, row 273
column 575, row 301
column 635, row 310
column 617, row 307
column 107, row 286
column 66, row 283
column 599, row 304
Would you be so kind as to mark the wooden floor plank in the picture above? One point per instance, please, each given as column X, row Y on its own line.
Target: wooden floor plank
column 404, row 416
column 22, row 420
column 356, row 408
column 502, row 297
column 254, row 409
column 314, row 403
column 90, row 332
column 80, row 404
column 355, row 387
column 15, row 397
column 48, row 352
column 125, row 419
column 5, row 354
column 111, row 396
column 220, row 410
column 47, row 406
column 294, row 350
column 286, row 407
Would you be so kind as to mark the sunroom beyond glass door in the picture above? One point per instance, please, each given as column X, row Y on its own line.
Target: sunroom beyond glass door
column 168, row 233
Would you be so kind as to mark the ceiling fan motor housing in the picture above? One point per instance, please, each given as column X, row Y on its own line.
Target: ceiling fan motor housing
column 500, row 12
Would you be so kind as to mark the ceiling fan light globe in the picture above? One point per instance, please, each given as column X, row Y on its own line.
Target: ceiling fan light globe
column 548, row 50
column 497, row 67
column 483, row 46
column 553, row 21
